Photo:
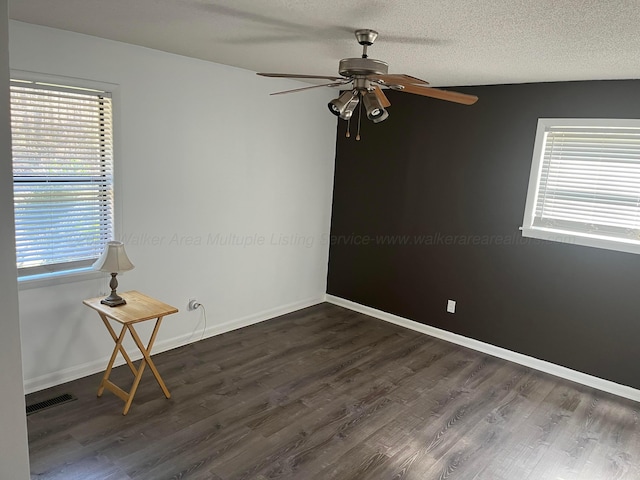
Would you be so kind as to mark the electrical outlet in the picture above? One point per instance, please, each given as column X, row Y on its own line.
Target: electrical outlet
column 451, row 306
column 193, row 304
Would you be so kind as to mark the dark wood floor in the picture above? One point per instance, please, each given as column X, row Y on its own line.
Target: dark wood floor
column 326, row 393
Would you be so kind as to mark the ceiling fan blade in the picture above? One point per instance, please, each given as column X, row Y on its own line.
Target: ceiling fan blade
column 398, row 80
column 335, row 84
column 382, row 98
column 409, row 84
column 295, row 75
column 447, row 95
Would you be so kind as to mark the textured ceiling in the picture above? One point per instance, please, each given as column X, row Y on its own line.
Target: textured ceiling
column 447, row 42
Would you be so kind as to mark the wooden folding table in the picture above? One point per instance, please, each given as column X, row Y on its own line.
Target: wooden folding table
column 139, row 308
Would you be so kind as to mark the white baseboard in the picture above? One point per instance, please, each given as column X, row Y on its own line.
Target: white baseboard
column 525, row 360
column 78, row 371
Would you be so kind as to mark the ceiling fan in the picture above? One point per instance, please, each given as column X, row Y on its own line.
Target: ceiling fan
column 367, row 76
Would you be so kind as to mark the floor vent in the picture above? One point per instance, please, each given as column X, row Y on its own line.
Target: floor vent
column 52, row 402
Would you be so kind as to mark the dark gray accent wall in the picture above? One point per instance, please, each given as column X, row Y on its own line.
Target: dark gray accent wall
column 427, row 208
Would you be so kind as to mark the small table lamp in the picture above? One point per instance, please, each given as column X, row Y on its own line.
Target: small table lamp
column 113, row 260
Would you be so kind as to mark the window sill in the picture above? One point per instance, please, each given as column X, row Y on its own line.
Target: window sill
column 57, row 278
column 574, row 238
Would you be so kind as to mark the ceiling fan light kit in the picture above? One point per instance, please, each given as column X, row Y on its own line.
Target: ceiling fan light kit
column 367, row 76
column 375, row 112
column 350, row 108
column 338, row 106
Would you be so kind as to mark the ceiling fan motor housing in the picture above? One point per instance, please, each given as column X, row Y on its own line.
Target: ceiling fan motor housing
column 362, row 66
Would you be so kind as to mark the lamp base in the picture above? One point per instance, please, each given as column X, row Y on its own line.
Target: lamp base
column 113, row 301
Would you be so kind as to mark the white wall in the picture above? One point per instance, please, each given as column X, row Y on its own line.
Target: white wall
column 14, row 458
column 202, row 151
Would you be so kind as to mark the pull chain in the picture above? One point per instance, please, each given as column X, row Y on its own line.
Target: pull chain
column 359, row 117
column 348, row 127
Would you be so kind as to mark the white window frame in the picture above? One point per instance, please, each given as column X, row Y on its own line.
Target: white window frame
column 71, row 272
column 629, row 242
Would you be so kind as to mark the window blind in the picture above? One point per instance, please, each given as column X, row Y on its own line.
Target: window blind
column 588, row 181
column 63, row 175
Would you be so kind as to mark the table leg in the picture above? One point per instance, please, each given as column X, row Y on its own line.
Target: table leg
column 118, row 346
column 146, row 360
column 147, row 357
column 134, row 388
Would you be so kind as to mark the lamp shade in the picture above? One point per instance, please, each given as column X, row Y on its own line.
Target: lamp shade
column 114, row 259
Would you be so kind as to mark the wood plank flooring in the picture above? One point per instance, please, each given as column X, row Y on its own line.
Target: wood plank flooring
column 326, row 393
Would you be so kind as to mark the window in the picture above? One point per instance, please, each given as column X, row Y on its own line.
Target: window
column 584, row 186
column 62, row 176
